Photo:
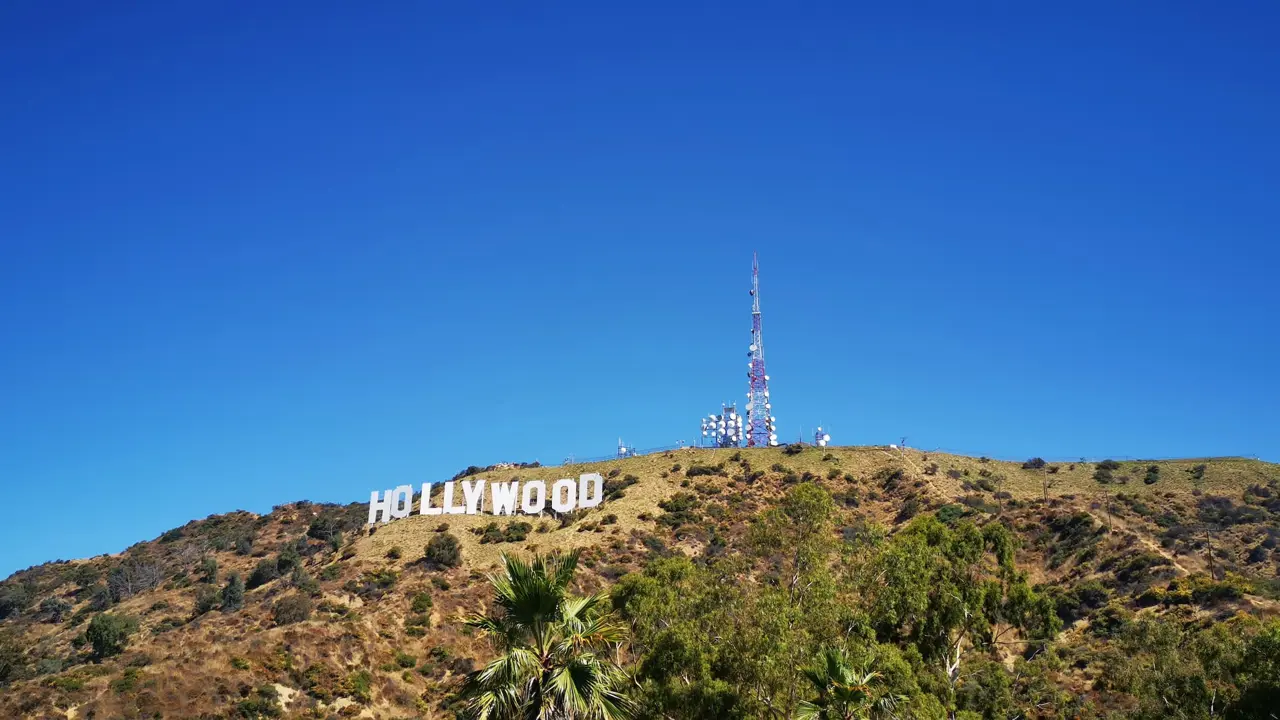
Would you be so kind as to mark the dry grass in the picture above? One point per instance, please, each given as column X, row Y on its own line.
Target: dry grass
column 190, row 670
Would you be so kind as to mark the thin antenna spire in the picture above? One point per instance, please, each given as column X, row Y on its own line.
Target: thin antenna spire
column 760, row 421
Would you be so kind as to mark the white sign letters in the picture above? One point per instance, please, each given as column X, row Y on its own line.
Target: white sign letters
column 530, row 497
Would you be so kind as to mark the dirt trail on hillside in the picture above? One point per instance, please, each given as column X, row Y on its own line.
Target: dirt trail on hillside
column 1120, row 523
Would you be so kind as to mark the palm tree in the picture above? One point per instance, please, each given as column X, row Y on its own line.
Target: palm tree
column 553, row 661
column 843, row 694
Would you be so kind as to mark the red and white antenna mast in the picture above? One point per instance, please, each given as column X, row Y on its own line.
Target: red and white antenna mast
column 761, row 425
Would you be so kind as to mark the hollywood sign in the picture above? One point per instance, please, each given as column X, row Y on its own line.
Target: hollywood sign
column 565, row 496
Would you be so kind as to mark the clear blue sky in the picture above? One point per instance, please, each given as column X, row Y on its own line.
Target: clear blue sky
column 259, row 252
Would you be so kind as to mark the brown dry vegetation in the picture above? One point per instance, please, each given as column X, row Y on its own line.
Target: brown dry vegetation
column 365, row 651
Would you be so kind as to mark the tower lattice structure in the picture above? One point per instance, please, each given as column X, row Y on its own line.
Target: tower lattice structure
column 761, row 424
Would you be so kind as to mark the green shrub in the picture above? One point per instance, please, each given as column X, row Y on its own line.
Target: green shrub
column 1153, row 475
column 405, row 660
column 422, row 603
column 109, row 634
column 233, row 594
column 373, row 584
column 359, row 685
column 206, row 600
column 443, row 551
column 264, row 572
column 264, row 704
column 517, row 531
column 54, row 609
column 292, row 609
column 209, row 570
column 394, row 553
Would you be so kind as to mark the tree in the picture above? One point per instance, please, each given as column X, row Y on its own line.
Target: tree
column 14, row 598
column 843, row 693
column 1047, row 481
column 946, row 589
column 443, row 551
column 54, row 609
column 233, row 594
column 109, row 634
column 132, row 577
column 206, row 600
column 264, row 572
column 553, row 648
column 209, row 570
column 12, row 657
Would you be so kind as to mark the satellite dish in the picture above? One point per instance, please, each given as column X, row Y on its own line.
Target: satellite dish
column 752, row 348
column 766, row 377
column 892, row 446
column 826, row 438
column 704, row 433
column 748, row 407
column 819, row 428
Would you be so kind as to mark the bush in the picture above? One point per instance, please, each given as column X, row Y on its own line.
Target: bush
column 444, row 551
column 209, row 570
column 304, row 582
column 292, row 609
column 1153, row 475
column 263, row 573
column 394, row 553
column 233, row 594
column 405, row 660
column 373, row 584
column 517, row 532
column 54, row 609
column 950, row 513
column 422, row 603
column 206, row 600
column 359, row 685
column 697, row 470
column 12, row 657
column 1103, row 472
column 613, row 488
column 793, row 449
column 264, row 704
column 109, row 634
column 1033, row 464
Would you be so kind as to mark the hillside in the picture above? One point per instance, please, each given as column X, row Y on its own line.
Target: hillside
column 341, row 620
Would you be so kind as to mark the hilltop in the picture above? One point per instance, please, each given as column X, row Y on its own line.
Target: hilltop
column 339, row 619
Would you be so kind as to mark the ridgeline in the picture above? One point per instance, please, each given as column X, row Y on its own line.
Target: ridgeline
column 762, row 583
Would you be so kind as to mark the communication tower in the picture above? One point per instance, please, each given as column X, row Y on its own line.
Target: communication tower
column 624, row 451
column 820, row 438
column 761, row 424
column 723, row 430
